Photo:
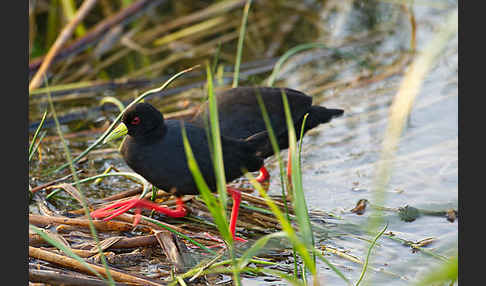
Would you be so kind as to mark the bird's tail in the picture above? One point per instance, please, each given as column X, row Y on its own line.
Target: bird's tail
column 322, row 114
column 262, row 146
column 319, row 115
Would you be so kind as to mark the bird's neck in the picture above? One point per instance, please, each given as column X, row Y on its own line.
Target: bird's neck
column 152, row 135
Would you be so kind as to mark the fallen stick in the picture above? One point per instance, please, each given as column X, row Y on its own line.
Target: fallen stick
column 112, row 225
column 74, row 264
column 56, row 278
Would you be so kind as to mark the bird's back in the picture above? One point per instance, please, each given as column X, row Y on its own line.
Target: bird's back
column 240, row 114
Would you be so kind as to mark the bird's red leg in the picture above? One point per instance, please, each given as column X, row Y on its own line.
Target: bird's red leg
column 111, row 209
column 236, row 195
column 264, row 176
column 119, row 208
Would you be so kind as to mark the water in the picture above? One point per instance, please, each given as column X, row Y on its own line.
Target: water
column 339, row 163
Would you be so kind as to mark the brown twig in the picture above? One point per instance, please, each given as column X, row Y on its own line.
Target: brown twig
column 167, row 242
column 74, row 264
column 58, row 278
column 112, row 225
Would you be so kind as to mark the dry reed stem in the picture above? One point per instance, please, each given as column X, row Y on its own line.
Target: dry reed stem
column 40, row 220
column 98, row 30
column 356, row 260
column 213, row 10
column 74, row 264
column 51, row 277
column 201, row 50
column 61, row 39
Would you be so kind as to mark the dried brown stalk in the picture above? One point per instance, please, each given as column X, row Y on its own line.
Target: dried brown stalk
column 74, row 264
column 96, row 32
column 61, row 39
column 112, row 225
column 51, row 277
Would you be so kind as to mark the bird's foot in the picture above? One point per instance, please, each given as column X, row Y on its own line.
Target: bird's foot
column 119, row 208
column 264, row 176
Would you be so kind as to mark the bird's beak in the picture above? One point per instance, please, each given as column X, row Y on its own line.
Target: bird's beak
column 118, row 132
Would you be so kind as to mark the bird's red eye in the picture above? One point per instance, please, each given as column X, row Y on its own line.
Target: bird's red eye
column 135, row 120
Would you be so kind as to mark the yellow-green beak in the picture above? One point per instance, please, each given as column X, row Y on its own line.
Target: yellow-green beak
column 119, row 131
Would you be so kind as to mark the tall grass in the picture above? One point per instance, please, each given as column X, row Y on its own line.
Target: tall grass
column 241, row 39
column 217, row 207
column 284, row 183
column 33, row 144
column 303, row 245
column 302, row 241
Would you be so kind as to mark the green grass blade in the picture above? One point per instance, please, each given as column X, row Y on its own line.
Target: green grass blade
column 256, row 261
column 283, row 178
column 286, row 226
column 31, row 147
column 211, row 202
column 241, row 39
column 217, row 153
column 302, row 136
column 41, row 136
column 214, row 65
column 300, row 205
column 246, row 257
column 365, row 264
column 275, row 147
column 445, row 274
column 287, row 55
column 215, row 140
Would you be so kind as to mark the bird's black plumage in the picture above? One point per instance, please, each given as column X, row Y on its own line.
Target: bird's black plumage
column 240, row 115
column 154, row 149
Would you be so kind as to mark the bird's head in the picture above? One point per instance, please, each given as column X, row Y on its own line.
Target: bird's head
column 138, row 121
column 141, row 119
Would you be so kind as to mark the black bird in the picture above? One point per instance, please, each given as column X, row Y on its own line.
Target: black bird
column 154, row 149
column 240, row 118
column 240, row 115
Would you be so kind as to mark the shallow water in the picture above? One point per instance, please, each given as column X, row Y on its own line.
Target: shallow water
column 339, row 162
column 339, row 159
